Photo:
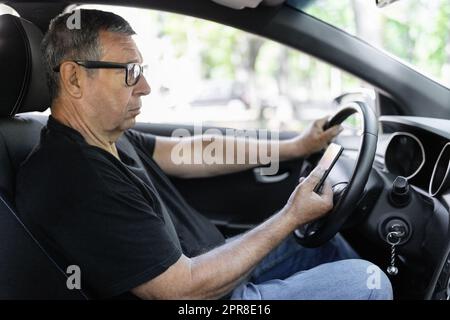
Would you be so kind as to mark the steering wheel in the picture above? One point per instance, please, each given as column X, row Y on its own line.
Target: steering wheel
column 346, row 196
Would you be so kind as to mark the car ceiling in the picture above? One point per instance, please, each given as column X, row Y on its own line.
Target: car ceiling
column 42, row 13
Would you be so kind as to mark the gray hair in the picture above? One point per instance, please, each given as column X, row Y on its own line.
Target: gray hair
column 62, row 43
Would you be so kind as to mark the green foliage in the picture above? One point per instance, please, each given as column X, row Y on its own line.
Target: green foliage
column 412, row 35
column 337, row 13
column 217, row 43
column 416, row 31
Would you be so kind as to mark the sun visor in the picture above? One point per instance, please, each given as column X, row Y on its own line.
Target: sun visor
column 241, row 4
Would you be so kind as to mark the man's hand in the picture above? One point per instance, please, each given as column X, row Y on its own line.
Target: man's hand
column 304, row 204
column 314, row 138
column 216, row 272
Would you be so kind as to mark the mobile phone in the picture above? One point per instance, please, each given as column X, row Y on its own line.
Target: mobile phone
column 327, row 162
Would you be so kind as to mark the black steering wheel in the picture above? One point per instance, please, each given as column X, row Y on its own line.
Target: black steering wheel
column 346, row 195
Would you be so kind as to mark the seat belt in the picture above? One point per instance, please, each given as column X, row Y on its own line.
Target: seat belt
column 50, row 257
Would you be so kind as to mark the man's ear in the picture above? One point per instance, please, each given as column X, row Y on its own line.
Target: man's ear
column 71, row 78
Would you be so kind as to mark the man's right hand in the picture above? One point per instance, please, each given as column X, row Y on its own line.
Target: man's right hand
column 215, row 273
column 304, row 204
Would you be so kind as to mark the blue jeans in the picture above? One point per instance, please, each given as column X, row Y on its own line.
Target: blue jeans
column 330, row 272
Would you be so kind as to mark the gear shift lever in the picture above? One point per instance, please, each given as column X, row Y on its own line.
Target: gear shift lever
column 400, row 194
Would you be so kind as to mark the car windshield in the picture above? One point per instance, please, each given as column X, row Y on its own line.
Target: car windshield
column 415, row 31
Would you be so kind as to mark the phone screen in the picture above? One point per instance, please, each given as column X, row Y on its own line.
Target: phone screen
column 327, row 162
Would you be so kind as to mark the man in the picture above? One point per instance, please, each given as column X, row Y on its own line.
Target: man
column 98, row 193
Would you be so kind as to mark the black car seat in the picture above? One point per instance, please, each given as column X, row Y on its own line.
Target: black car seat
column 27, row 270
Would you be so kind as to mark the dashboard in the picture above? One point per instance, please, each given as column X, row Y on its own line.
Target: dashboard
column 417, row 148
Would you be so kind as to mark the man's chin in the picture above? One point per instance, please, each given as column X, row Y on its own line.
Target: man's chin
column 129, row 123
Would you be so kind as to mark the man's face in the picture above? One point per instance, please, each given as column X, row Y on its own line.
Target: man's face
column 110, row 103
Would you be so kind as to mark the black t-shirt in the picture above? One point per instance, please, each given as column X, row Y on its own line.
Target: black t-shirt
column 195, row 232
column 122, row 222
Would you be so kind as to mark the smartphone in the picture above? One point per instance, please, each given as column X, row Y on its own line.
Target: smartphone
column 327, row 162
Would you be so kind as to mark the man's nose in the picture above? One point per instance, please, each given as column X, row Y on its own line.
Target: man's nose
column 142, row 88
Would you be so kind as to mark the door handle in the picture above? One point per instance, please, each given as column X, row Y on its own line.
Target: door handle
column 268, row 179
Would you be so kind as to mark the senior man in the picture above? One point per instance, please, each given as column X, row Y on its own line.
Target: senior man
column 99, row 195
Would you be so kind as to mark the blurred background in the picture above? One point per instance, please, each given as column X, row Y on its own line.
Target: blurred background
column 203, row 72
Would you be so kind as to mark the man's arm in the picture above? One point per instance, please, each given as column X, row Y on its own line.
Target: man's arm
column 217, row 272
column 203, row 163
column 191, row 157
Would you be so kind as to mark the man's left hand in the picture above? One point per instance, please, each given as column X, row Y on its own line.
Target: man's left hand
column 314, row 138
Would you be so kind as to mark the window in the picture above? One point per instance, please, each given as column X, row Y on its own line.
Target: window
column 203, row 72
column 415, row 31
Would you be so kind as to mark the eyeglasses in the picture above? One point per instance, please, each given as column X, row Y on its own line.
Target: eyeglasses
column 132, row 74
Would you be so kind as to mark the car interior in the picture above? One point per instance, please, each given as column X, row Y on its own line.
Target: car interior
column 393, row 179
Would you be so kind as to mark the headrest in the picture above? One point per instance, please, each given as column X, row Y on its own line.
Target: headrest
column 23, row 85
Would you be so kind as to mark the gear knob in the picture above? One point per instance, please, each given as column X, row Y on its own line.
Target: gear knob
column 400, row 194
